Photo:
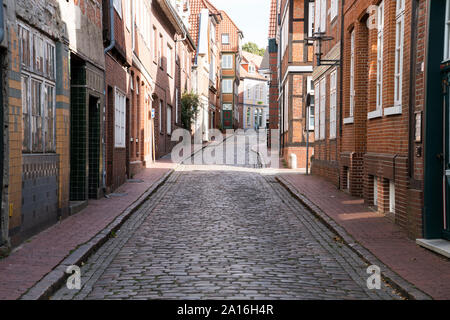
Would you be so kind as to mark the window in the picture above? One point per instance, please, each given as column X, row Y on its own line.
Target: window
column 176, row 105
column 227, row 107
column 119, row 119
column 311, row 19
column 447, row 31
column 160, row 116
column 320, row 15
column 155, row 46
column 399, row 35
column 375, row 191
column 322, row 107
column 227, row 86
column 118, row 6
column 334, row 9
column 212, row 68
column 225, row 38
column 169, row 119
column 311, row 117
column 251, row 68
column 37, row 56
column 249, row 118
column 212, row 33
column 333, row 96
column 286, row 107
column 128, row 14
column 285, row 33
column 316, row 110
column 352, row 73
column 227, row 61
column 169, row 59
column 380, row 38
column 160, row 48
column 391, row 196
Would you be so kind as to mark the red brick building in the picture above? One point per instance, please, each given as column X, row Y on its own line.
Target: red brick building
column 369, row 141
column 274, row 111
column 230, row 38
column 327, row 78
column 295, row 55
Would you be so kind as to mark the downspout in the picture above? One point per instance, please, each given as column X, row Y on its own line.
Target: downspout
column 107, row 49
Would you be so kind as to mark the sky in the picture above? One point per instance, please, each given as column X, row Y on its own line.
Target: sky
column 251, row 16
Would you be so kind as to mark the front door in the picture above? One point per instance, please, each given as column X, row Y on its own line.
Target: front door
column 446, row 158
column 227, row 119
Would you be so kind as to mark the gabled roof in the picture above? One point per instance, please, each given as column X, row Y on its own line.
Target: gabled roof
column 265, row 61
column 250, row 57
column 196, row 6
column 232, row 22
column 273, row 19
column 247, row 75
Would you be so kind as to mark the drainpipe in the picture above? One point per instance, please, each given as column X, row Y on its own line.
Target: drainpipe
column 107, row 49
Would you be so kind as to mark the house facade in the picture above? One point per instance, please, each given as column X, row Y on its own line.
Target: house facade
column 253, row 93
column 230, row 38
column 295, row 60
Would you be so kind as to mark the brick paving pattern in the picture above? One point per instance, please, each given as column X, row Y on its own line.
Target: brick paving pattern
column 426, row 270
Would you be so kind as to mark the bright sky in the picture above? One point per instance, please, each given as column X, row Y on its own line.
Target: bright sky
column 251, row 16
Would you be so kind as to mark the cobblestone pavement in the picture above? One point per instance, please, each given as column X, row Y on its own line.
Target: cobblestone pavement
column 214, row 232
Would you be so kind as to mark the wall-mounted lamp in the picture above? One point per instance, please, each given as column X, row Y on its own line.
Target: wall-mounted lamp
column 318, row 38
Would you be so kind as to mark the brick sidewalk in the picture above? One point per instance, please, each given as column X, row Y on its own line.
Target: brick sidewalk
column 388, row 242
column 28, row 263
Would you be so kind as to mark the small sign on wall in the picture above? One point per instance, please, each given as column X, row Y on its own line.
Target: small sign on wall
column 418, row 126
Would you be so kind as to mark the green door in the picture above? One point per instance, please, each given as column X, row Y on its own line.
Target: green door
column 227, row 119
column 446, row 148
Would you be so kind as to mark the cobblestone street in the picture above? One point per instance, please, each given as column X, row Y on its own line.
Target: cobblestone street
column 215, row 232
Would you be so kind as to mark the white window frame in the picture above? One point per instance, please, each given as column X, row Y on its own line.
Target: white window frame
column 120, row 102
column 227, row 61
column 352, row 74
column 227, row 85
column 447, row 31
column 169, row 119
column 117, row 4
column 333, row 9
column 160, row 116
column 225, row 36
column 323, row 98
column 399, row 42
column 317, row 110
column 375, row 191
column 176, row 105
column 311, row 16
column 392, row 196
column 286, row 107
column 333, row 103
column 169, row 59
column 285, row 33
column 380, row 52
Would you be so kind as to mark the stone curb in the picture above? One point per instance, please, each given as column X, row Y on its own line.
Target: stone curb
column 407, row 289
column 53, row 280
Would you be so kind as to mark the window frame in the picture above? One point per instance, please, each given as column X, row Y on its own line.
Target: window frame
column 120, row 109
column 317, row 110
column 380, row 52
column 333, row 104
column 45, row 77
column 117, row 4
column 228, row 37
column 225, row 88
column 399, row 47
column 323, row 101
column 227, row 61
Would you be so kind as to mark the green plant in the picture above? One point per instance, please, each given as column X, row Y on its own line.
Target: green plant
column 189, row 109
column 253, row 48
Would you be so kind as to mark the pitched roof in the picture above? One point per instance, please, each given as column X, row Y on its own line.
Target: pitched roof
column 196, row 7
column 256, row 59
column 265, row 61
column 273, row 19
column 244, row 74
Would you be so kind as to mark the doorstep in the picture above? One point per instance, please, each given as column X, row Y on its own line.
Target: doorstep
column 439, row 246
